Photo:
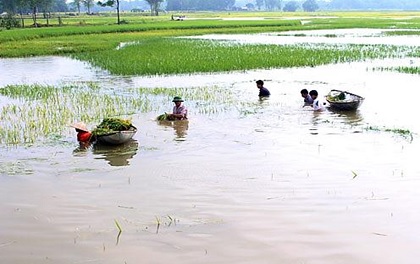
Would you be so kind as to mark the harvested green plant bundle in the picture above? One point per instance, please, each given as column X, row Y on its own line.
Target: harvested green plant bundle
column 110, row 125
column 165, row 117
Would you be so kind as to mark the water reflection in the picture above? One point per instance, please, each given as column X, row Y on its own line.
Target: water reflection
column 180, row 127
column 116, row 155
column 82, row 149
column 343, row 36
column 348, row 117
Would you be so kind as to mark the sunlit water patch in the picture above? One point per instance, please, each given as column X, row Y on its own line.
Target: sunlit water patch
column 336, row 36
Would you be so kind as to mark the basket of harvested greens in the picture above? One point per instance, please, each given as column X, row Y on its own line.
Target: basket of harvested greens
column 114, row 131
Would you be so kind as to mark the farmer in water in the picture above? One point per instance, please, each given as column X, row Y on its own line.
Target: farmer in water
column 179, row 111
column 264, row 92
column 84, row 136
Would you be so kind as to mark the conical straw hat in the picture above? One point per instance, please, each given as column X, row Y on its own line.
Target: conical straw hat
column 80, row 126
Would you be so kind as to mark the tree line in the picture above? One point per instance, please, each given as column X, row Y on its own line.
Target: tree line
column 46, row 7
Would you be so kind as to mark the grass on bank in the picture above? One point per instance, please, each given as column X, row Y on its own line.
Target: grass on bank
column 73, row 38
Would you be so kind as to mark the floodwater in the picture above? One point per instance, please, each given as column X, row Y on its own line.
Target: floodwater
column 263, row 181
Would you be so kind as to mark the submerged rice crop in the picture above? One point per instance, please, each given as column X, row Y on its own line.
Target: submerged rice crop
column 38, row 113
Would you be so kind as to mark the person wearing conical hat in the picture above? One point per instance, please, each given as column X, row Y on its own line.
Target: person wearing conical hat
column 83, row 134
column 179, row 111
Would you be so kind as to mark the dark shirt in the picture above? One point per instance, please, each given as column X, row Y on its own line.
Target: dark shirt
column 264, row 92
column 308, row 100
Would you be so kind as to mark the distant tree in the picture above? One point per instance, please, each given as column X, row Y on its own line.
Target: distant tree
column 174, row 5
column 36, row 5
column 250, row 6
column 46, row 7
column 346, row 4
column 291, row 6
column 259, row 4
column 310, row 6
column 76, row 4
column 60, row 6
column 112, row 3
column 8, row 6
column 154, row 6
column 272, row 4
column 88, row 4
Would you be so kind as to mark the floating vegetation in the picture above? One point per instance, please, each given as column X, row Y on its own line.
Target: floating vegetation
column 409, row 70
column 399, row 131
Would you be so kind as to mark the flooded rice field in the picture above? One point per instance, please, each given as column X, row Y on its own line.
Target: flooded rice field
column 243, row 181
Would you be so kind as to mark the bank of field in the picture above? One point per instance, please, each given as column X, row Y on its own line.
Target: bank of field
column 154, row 49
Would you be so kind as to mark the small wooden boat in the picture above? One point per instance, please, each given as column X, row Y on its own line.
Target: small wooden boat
column 343, row 100
column 117, row 137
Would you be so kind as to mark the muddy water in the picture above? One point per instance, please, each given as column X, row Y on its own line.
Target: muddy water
column 259, row 182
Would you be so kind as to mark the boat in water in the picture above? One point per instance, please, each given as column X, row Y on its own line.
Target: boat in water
column 117, row 137
column 343, row 100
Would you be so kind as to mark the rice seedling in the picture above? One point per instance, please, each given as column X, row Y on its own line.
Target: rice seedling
column 157, row 224
column 118, row 226
column 38, row 113
column 406, row 133
column 409, row 70
column 119, row 231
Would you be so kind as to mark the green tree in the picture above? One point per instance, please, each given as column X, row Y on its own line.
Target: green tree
column 154, row 6
column 77, row 4
column 310, row 6
column 36, row 5
column 175, row 5
column 112, row 3
column 346, row 4
column 259, row 4
column 272, row 4
column 8, row 6
column 60, row 6
column 88, row 4
column 291, row 6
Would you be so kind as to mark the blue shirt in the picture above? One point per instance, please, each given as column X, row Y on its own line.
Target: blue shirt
column 264, row 92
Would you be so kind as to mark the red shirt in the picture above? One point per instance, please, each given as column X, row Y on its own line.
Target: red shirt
column 84, row 136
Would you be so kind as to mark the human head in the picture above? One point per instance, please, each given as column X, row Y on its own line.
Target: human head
column 260, row 83
column 313, row 94
column 177, row 100
column 304, row 92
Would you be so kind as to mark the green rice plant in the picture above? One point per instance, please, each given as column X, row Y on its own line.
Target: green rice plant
column 38, row 113
column 100, row 33
column 398, row 131
column 177, row 56
column 409, row 70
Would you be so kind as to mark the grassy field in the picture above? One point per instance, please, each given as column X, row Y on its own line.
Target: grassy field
column 96, row 39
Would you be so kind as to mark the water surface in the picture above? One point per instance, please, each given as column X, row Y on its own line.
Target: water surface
column 260, row 181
